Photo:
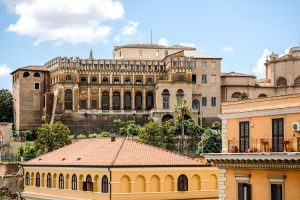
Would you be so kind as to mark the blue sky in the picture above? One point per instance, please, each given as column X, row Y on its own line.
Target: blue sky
column 241, row 32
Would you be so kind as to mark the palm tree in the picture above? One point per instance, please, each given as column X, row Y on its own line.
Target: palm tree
column 182, row 109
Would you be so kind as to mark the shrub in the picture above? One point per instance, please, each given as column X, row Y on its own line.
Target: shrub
column 93, row 135
column 103, row 134
column 81, row 136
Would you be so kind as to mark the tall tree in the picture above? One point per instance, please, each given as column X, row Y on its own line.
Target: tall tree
column 6, row 106
column 52, row 137
column 181, row 110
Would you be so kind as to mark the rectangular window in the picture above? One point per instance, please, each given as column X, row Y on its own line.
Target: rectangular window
column 166, row 53
column 204, row 101
column 203, row 64
column 37, row 86
column 83, row 104
column 213, row 101
column 194, row 78
column 157, row 53
column 94, row 104
column 140, row 53
column 244, row 191
column 213, row 79
column 213, row 65
column 244, row 136
column 181, row 77
column 204, row 79
column 165, row 101
column 277, row 134
column 276, row 191
column 120, row 53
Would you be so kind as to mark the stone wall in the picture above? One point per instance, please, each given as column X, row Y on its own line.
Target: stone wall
column 89, row 123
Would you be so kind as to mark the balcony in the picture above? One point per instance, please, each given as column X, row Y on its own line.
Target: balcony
column 263, row 145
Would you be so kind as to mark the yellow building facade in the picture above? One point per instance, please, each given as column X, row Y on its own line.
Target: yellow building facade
column 260, row 156
column 124, row 169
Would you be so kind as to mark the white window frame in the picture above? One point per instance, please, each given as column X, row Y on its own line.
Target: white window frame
column 277, row 179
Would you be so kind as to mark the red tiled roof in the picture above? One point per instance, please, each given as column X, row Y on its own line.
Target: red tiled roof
column 122, row 152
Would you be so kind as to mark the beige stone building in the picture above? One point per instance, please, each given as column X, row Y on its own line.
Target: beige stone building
column 282, row 78
column 141, row 80
column 117, row 169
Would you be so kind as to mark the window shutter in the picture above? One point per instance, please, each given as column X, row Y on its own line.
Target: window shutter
column 248, row 192
column 240, row 191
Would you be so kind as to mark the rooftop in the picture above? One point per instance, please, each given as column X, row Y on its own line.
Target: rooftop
column 154, row 46
column 31, row 68
column 195, row 54
column 120, row 153
column 236, row 74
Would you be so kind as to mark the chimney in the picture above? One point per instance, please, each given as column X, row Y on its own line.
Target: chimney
column 112, row 137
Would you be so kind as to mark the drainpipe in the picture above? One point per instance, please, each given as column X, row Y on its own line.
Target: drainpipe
column 110, row 179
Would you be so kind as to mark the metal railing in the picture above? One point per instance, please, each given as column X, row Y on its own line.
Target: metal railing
column 264, row 145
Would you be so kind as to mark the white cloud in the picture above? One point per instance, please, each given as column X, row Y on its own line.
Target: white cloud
column 117, row 38
column 130, row 28
column 227, row 49
column 187, row 44
column 4, row 70
column 76, row 21
column 260, row 68
column 163, row 41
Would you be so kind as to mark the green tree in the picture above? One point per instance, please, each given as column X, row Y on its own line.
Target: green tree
column 181, row 110
column 243, row 96
column 211, row 142
column 126, row 128
column 192, row 128
column 26, row 152
column 216, row 125
column 52, row 137
column 6, row 106
column 153, row 133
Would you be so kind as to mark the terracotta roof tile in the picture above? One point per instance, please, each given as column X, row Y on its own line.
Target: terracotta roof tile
column 121, row 152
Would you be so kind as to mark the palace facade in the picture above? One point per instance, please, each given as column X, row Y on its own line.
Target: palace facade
column 117, row 169
column 141, row 80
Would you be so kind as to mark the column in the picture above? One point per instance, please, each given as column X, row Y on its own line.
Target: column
column 122, row 98
column 132, row 99
column 144, row 99
column 110, row 99
column 100, row 99
column 89, row 98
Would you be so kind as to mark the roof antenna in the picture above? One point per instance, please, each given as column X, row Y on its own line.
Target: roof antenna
column 151, row 36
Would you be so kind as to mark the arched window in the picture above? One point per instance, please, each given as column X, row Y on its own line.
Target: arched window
column 88, row 184
column 166, row 98
column 94, row 80
column 262, row 95
column 37, row 180
column 116, row 101
column 149, row 101
column 49, row 180
column 127, row 101
column 83, row 80
column 138, row 101
column 281, row 82
column 105, row 80
column 154, row 184
column 138, row 80
column 180, row 77
column 61, row 181
column 27, row 179
column 236, row 95
column 104, row 184
column 127, row 80
column 74, row 182
column 180, row 93
column 297, row 81
column 149, row 81
column 68, row 78
column 105, row 101
column 196, row 104
column 116, row 80
column 36, row 74
column 26, row 74
column 183, row 183
column 68, row 99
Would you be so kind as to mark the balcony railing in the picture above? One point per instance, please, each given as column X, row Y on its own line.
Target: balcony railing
column 98, row 112
column 263, row 145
